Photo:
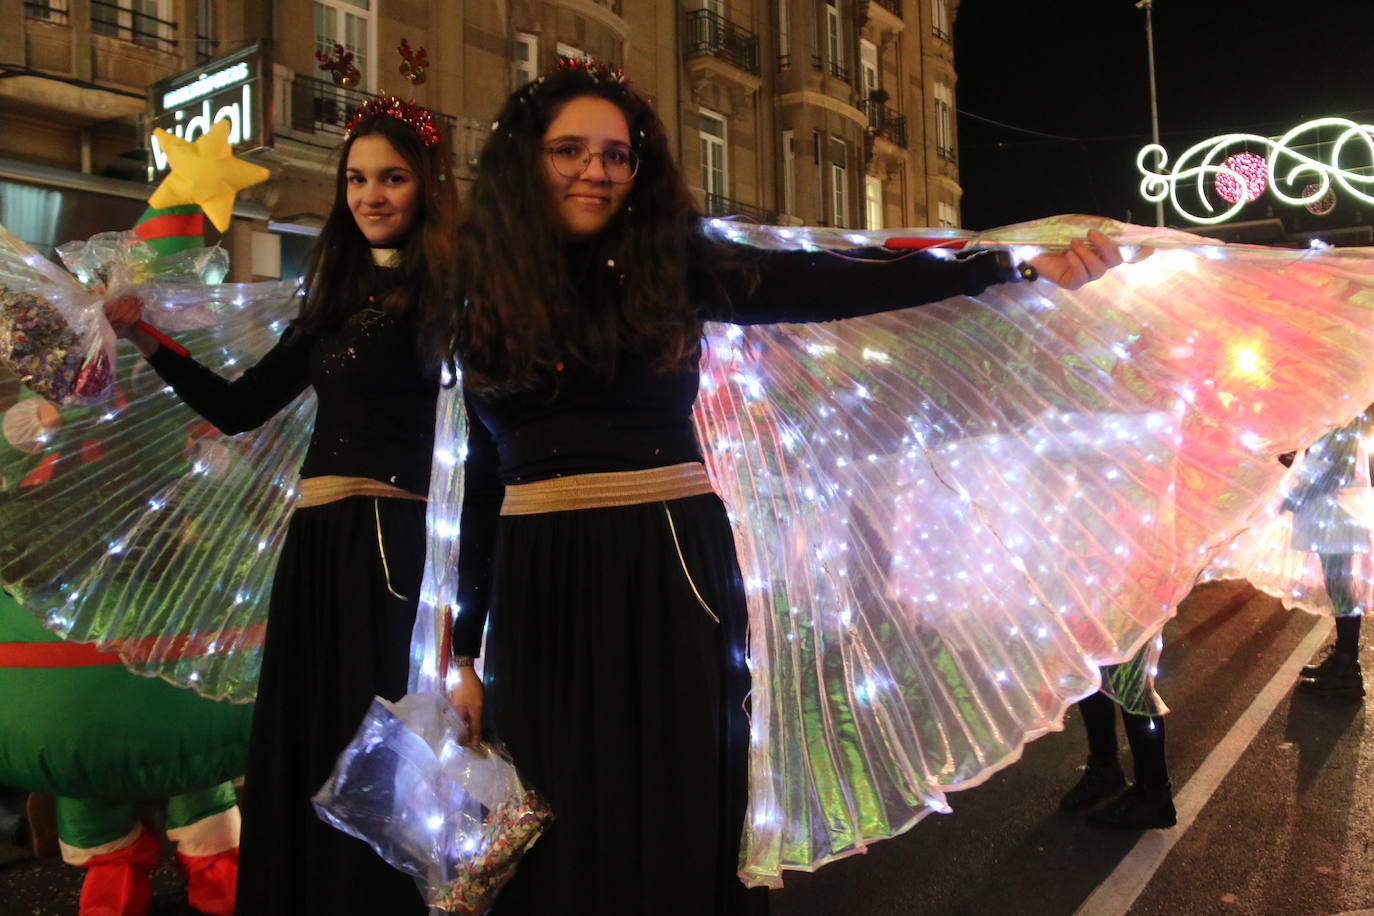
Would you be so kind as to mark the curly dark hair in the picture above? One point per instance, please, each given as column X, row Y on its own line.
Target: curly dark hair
column 340, row 261
column 529, row 299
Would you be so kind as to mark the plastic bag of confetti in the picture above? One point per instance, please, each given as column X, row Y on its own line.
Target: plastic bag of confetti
column 57, row 343
column 456, row 818
column 53, row 334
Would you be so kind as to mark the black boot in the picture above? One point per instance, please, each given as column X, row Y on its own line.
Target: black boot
column 1138, row 808
column 1322, row 667
column 1341, row 679
column 1099, row 781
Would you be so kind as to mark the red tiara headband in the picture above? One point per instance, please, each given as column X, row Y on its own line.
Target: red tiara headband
column 413, row 63
column 416, row 117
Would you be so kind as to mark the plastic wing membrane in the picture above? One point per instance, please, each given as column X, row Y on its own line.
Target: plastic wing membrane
column 1313, row 546
column 950, row 516
column 133, row 524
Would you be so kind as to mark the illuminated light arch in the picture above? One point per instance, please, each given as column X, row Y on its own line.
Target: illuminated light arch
column 1294, row 177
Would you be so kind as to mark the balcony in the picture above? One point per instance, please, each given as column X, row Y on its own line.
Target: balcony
column 718, row 205
column 709, row 34
column 885, row 15
column 109, row 18
column 51, row 10
column 319, row 106
column 884, row 121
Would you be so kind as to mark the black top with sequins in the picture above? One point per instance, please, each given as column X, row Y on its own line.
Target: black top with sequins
column 376, row 397
column 641, row 418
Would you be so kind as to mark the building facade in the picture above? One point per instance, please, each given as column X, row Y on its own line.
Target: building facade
column 817, row 112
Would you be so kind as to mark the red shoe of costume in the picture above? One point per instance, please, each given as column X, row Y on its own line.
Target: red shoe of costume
column 117, row 883
column 210, row 880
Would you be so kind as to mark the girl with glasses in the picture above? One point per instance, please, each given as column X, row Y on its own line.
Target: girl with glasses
column 593, row 549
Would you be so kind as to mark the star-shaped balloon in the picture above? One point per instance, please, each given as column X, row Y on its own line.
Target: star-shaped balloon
column 204, row 172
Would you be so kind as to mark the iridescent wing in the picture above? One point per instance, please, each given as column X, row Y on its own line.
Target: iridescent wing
column 1324, row 506
column 950, row 516
column 137, row 526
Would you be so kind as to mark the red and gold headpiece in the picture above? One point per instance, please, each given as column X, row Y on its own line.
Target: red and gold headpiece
column 417, row 117
column 413, row 63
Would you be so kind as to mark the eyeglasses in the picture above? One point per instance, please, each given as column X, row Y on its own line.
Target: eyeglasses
column 570, row 159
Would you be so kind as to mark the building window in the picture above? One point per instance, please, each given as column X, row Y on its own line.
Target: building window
column 205, row 31
column 944, row 122
column 873, row 202
column 524, row 59
column 713, row 160
column 143, row 22
column 839, row 182
column 868, row 68
column 52, row 10
column 348, row 23
column 789, row 173
column 817, row 151
column 834, row 45
column 784, row 36
column 572, row 52
column 948, row 218
column 939, row 19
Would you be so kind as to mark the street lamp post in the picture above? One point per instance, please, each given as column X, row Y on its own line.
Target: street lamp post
column 1149, row 6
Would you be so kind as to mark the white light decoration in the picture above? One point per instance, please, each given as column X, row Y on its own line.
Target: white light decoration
column 1293, row 176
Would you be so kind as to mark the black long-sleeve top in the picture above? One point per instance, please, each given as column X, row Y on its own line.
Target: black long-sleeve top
column 641, row 418
column 376, row 395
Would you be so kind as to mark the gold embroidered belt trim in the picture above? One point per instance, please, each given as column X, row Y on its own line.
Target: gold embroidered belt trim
column 330, row 488
column 601, row 491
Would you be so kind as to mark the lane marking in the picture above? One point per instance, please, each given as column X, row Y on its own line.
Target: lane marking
column 1115, row 895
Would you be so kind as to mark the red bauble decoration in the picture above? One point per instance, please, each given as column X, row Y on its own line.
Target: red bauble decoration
column 1253, row 168
column 1322, row 205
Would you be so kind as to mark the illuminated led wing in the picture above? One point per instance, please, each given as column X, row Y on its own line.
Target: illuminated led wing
column 1315, row 537
column 429, row 639
column 136, row 525
column 949, row 517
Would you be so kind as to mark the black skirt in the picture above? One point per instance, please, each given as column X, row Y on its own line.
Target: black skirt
column 336, row 636
column 615, row 675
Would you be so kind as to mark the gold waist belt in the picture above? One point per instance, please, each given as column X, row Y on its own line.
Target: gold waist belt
column 600, row 491
column 330, row 488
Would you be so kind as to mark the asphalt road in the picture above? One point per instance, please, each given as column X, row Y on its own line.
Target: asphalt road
column 1275, row 794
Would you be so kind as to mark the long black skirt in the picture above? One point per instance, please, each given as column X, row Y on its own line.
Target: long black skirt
column 336, row 636
column 615, row 675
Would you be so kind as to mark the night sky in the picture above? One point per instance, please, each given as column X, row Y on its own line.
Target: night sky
column 1077, row 70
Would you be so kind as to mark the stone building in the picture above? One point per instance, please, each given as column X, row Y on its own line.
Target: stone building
column 818, row 112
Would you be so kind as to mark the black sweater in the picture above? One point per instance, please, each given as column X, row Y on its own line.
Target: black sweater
column 641, row 418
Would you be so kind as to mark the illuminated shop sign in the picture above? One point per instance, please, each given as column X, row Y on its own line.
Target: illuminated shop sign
column 230, row 89
column 1314, row 165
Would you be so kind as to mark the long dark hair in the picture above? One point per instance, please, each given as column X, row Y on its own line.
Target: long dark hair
column 529, row 300
column 340, row 262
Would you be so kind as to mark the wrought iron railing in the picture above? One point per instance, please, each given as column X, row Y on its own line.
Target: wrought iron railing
column 885, row 122
column 839, row 70
column 719, row 205
column 205, row 48
column 319, row 106
column 784, row 62
column 109, row 18
column 892, row 6
column 948, row 153
column 709, row 34
column 52, row 10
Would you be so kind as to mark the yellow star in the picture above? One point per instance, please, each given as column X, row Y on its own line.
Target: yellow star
column 204, row 172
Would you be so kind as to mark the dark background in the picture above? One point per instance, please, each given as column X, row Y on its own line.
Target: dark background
column 1077, row 70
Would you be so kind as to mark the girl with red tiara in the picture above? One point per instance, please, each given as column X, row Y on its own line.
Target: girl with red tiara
column 343, row 601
